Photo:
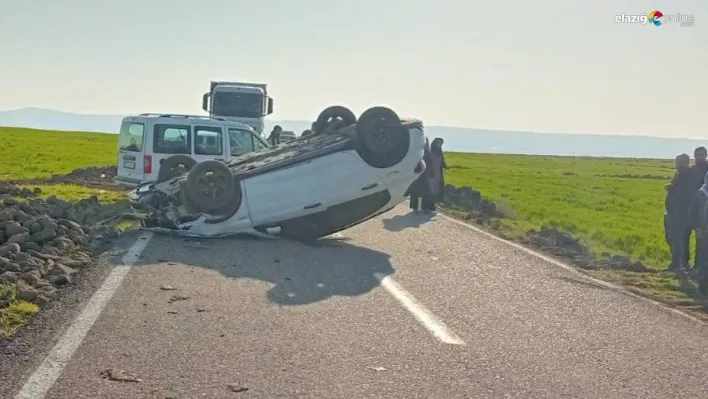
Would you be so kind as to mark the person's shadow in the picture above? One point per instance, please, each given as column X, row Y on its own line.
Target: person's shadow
column 409, row 220
column 298, row 273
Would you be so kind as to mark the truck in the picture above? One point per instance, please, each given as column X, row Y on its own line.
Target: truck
column 243, row 102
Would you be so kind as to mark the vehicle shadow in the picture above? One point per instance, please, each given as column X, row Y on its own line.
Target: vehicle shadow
column 409, row 220
column 298, row 273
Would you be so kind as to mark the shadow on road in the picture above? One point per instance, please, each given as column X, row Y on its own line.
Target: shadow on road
column 299, row 273
column 409, row 220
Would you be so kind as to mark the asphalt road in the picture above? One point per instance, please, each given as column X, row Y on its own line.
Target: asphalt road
column 403, row 306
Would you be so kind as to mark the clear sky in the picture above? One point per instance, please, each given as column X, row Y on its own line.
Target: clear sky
column 545, row 65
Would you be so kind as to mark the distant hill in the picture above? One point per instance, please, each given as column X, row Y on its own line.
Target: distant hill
column 456, row 138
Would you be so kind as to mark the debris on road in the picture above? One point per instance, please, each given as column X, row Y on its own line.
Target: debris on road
column 237, row 388
column 119, row 375
column 168, row 288
column 377, row 368
column 176, row 298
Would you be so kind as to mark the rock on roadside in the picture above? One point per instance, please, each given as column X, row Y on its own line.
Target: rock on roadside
column 45, row 243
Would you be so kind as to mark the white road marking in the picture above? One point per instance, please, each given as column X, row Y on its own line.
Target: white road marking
column 423, row 315
column 49, row 371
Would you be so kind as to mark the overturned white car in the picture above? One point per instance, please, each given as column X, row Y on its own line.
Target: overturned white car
column 346, row 172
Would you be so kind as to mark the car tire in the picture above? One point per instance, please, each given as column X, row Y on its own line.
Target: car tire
column 169, row 166
column 212, row 186
column 334, row 117
column 230, row 209
column 382, row 140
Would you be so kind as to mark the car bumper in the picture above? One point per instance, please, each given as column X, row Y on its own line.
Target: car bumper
column 126, row 182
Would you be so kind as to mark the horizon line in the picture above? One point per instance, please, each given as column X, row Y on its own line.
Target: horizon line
column 307, row 121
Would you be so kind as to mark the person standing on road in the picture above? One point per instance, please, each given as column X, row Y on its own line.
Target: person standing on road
column 274, row 138
column 698, row 220
column 420, row 188
column 699, row 170
column 679, row 195
column 436, row 178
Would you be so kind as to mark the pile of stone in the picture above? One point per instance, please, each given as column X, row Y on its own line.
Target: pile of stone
column 11, row 190
column 564, row 245
column 470, row 200
column 43, row 243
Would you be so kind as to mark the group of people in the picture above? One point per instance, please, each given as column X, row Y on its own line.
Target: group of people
column 429, row 188
column 686, row 211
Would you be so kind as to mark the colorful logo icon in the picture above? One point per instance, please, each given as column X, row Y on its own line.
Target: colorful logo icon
column 654, row 17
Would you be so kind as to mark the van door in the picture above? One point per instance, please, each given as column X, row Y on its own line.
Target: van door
column 283, row 194
column 240, row 142
column 130, row 169
column 208, row 143
column 168, row 139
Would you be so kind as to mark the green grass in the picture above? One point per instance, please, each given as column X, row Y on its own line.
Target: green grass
column 16, row 314
column 576, row 195
column 37, row 154
column 73, row 192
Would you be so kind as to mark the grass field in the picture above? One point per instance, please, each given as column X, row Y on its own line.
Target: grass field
column 38, row 154
column 582, row 196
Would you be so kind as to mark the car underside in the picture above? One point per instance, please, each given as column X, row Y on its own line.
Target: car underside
column 212, row 197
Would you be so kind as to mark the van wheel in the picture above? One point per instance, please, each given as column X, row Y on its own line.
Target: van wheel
column 174, row 166
column 334, row 117
column 212, row 186
column 382, row 141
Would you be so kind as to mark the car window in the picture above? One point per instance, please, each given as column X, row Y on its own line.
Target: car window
column 240, row 142
column 172, row 139
column 130, row 137
column 208, row 140
column 257, row 143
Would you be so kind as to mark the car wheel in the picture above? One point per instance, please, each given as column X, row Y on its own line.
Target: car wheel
column 334, row 117
column 230, row 209
column 174, row 166
column 382, row 141
column 211, row 185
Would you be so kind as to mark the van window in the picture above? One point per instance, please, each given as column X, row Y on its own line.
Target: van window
column 172, row 139
column 130, row 137
column 208, row 140
column 240, row 142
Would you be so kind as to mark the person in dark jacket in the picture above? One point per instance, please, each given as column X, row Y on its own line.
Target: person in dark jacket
column 698, row 221
column 274, row 138
column 698, row 170
column 436, row 177
column 679, row 196
column 420, row 187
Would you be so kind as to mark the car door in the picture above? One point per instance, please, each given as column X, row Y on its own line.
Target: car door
column 240, row 142
column 343, row 177
column 283, row 194
column 131, row 152
column 208, row 143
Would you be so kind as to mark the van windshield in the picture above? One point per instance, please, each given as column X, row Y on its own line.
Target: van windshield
column 131, row 137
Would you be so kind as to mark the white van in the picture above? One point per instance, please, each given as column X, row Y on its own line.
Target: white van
column 146, row 140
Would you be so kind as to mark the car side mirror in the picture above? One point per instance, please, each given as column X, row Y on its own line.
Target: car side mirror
column 205, row 102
